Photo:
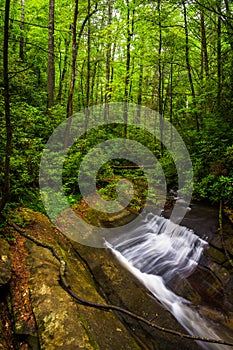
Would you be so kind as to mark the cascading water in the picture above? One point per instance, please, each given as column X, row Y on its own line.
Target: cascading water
column 158, row 251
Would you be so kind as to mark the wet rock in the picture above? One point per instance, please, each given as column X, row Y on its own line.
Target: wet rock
column 207, row 285
column 121, row 288
column 216, row 255
column 5, row 268
column 220, row 272
column 229, row 245
column 45, row 315
column 119, row 219
column 95, row 275
column 184, row 288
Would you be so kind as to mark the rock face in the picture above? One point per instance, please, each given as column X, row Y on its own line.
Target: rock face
column 5, row 275
column 46, row 317
column 5, row 268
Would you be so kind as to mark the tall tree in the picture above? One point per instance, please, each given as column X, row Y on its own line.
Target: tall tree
column 88, row 53
column 5, row 187
column 64, row 69
column 129, row 34
column 188, row 65
column 51, row 63
column 160, row 80
column 73, row 73
column 21, row 47
column 107, row 96
column 219, row 54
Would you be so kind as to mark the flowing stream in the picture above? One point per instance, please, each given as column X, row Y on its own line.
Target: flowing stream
column 158, row 251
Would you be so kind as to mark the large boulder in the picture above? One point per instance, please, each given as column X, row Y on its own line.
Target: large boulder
column 45, row 315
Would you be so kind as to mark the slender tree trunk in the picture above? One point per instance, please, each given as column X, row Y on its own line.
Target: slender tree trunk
column 139, row 99
column 88, row 54
column 112, row 69
column 160, row 98
column 73, row 71
column 131, row 81
column 171, row 103
column 229, row 27
column 204, row 44
column 204, row 73
column 219, row 56
column 88, row 64
column 189, row 66
column 128, row 54
column 107, row 96
column 129, row 33
column 6, row 171
column 51, row 66
column 140, row 81
column 64, row 70
column 75, row 48
column 21, row 44
column 97, row 84
column 93, row 83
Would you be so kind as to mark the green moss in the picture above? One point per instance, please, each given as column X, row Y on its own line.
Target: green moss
column 87, row 328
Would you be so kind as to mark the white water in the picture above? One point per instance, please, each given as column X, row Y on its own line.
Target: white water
column 158, row 251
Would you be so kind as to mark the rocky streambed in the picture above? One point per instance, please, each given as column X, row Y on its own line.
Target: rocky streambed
column 37, row 313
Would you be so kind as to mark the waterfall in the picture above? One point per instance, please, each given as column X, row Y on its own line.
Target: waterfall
column 158, row 251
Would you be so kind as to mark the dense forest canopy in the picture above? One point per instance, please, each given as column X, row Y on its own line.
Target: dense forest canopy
column 59, row 57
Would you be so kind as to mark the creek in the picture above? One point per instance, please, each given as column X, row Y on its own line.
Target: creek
column 162, row 255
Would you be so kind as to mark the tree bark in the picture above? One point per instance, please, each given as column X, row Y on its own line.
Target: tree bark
column 88, row 54
column 21, row 44
column 189, row 66
column 64, row 70
column 107, row 96
column 204, row 44
column 219, row 58
column 140, row 81
column 160, row 98
column 51, row 65
column 129, row 34
column 6, row 171
column 171, row 104
column 73, row 71
column 75, row 47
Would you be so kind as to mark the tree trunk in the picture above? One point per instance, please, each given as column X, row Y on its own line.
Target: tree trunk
column 204, row 44
column 73, row 71
column 21, row 44
column 129, row 33
column 88, row 64
column 189, row 66
column 171, row 104
column 6, row 171
column 93, row 83
column 107, row 96
column 88, row 54
column 51, row 66
column 219, row 58
column 64, row 70
column 75, row 47
column 160, row 98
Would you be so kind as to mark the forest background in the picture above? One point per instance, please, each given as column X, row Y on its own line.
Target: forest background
column 59, row 57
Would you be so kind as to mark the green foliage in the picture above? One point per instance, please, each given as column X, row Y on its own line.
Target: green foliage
column 211, row 149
